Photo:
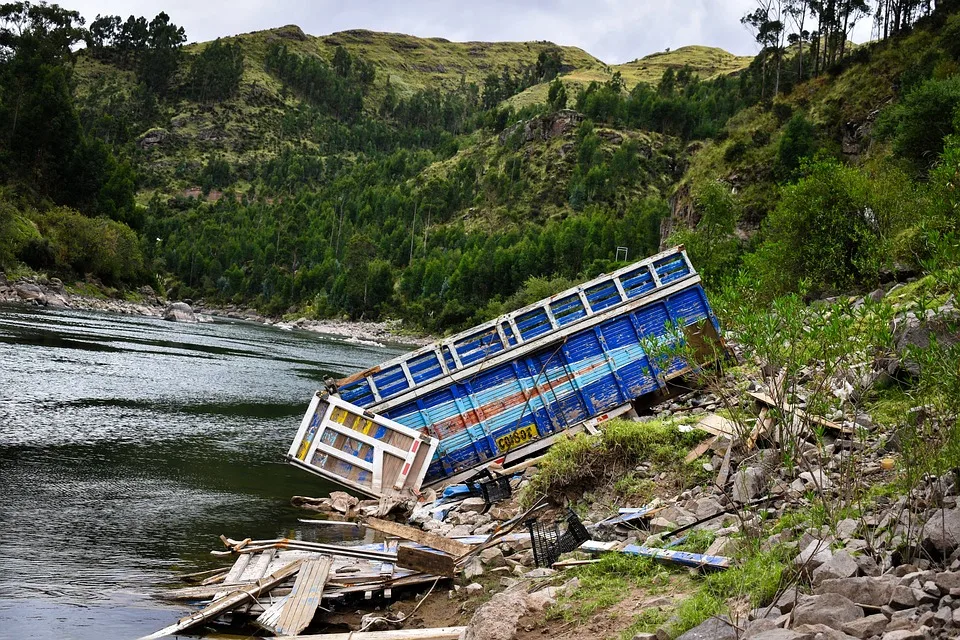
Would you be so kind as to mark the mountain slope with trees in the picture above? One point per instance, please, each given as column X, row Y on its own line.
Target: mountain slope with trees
column 367, row 174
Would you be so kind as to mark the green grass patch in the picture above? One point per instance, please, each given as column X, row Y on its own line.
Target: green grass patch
column 621, row 445
column 607, row 582
column 758, row 580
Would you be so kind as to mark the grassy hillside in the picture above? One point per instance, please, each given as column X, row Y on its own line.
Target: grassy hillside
column 706, row 62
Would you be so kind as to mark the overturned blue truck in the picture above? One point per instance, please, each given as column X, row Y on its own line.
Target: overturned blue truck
column 506, row 389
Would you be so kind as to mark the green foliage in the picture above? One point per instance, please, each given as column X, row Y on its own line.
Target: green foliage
column 828, row 230
column 72, row 243
column 712, row 245
column 557, row 95
column 216, row 71
column 757, row 579
column 920, row 122
column 798, row 142
column 608, row 581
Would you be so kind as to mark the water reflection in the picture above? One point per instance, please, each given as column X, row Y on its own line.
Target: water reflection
column 127, row 445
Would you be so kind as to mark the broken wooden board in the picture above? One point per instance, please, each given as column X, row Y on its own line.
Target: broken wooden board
column 800, row 413
column 763, row 424
column 718, row 426
column 271, row 615
column 432, row 540
column 441, row 633
column 426, row 561
column 631, row 516
column 229, row 602
column 700, row 449
column 724, row 474
column 302, row 604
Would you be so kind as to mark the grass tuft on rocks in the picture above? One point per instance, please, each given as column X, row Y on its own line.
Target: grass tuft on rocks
column 618, row 448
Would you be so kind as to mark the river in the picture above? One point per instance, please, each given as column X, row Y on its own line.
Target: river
column 129, row 444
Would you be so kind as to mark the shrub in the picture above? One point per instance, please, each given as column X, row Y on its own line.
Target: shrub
column 712, row 246
column 919, row 124
column 823, row 231
column 796, row 143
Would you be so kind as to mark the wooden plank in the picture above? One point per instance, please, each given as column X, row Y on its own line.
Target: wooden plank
column 426, row 561
column 441, row 633
column 700, row 449
column 432, row 540
column 717, row 425
column 229, row 602
column 800, row 413
column 303, row 601
column 630, row 516
column 268, row 619
column 764, row 422
column 724, row 474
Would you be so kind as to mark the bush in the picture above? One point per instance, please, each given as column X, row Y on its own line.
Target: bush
column 712, row 245
column 796, row 143
column 919, row 124
column 827, row 230
column 104, row 248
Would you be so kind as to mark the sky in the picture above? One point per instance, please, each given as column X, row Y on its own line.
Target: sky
column 614, row 31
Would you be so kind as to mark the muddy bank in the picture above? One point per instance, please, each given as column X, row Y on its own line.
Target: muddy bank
column 52, row 293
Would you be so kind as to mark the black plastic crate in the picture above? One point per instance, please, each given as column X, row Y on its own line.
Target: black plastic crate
column 549, row 543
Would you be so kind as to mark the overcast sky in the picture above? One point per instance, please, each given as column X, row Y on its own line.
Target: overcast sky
column 613, row 30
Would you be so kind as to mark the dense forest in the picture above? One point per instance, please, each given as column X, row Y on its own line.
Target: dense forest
column 309, row 176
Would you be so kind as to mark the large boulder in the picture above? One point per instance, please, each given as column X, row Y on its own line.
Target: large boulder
column 833, row 611
column 30, row 293
column 498, row 618
column 942, row 531
column 711, row 629
column 872, row 592
column 179, row 312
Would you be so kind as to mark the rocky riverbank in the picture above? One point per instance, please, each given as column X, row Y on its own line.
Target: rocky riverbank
column 52, row 293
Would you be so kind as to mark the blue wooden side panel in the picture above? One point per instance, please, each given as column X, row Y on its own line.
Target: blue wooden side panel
column 594, row 370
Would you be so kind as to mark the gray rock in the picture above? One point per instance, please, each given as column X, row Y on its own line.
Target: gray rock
column 942, row 531
column 474, row 588
column 873, row 592
column 539, row 573
column 868, row 566
column 747, row 484
column 847, row 528
column 712, row 629
column 492, row 557
column 821, row 632
column 833, row 610
column 776, row 634
column 840, row 565
column 30, row 293
column 473, row 568
column 179, row 312
column 497, row 618
column 816, row 479
column 904, row 597
column 644, row 635
column 813, row 555
column 947, row 580
column 866, row 627
column 473, row 504
column 907, row 634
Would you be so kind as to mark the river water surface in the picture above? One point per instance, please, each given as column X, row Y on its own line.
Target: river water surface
column 128, row 445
